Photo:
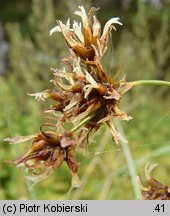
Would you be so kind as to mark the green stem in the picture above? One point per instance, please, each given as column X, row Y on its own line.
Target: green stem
column 83, row 122
column 149, row 82
column 130, row 161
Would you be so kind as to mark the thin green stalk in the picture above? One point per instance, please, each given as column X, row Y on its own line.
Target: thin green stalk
column 149, row 82
column 83, row 122
column 130, row 162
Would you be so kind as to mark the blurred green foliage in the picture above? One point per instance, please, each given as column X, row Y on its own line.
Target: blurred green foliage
column 141, row 46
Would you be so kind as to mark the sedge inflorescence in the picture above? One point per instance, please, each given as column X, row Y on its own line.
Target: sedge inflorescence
column 83, row 94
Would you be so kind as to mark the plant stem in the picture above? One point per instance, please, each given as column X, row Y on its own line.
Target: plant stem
column 130, row 161
column 83, row 122
column 149, row 82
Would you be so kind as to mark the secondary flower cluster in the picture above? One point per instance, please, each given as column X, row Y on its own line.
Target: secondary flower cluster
column 83, row 94
column 156, row 190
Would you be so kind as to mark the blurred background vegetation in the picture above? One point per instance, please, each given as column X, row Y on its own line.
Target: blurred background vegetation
column 27, row 52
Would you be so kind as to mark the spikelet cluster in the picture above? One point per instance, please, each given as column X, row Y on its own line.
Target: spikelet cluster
column 83, row 96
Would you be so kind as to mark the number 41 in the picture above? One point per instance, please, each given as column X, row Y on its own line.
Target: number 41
column 159, row 208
